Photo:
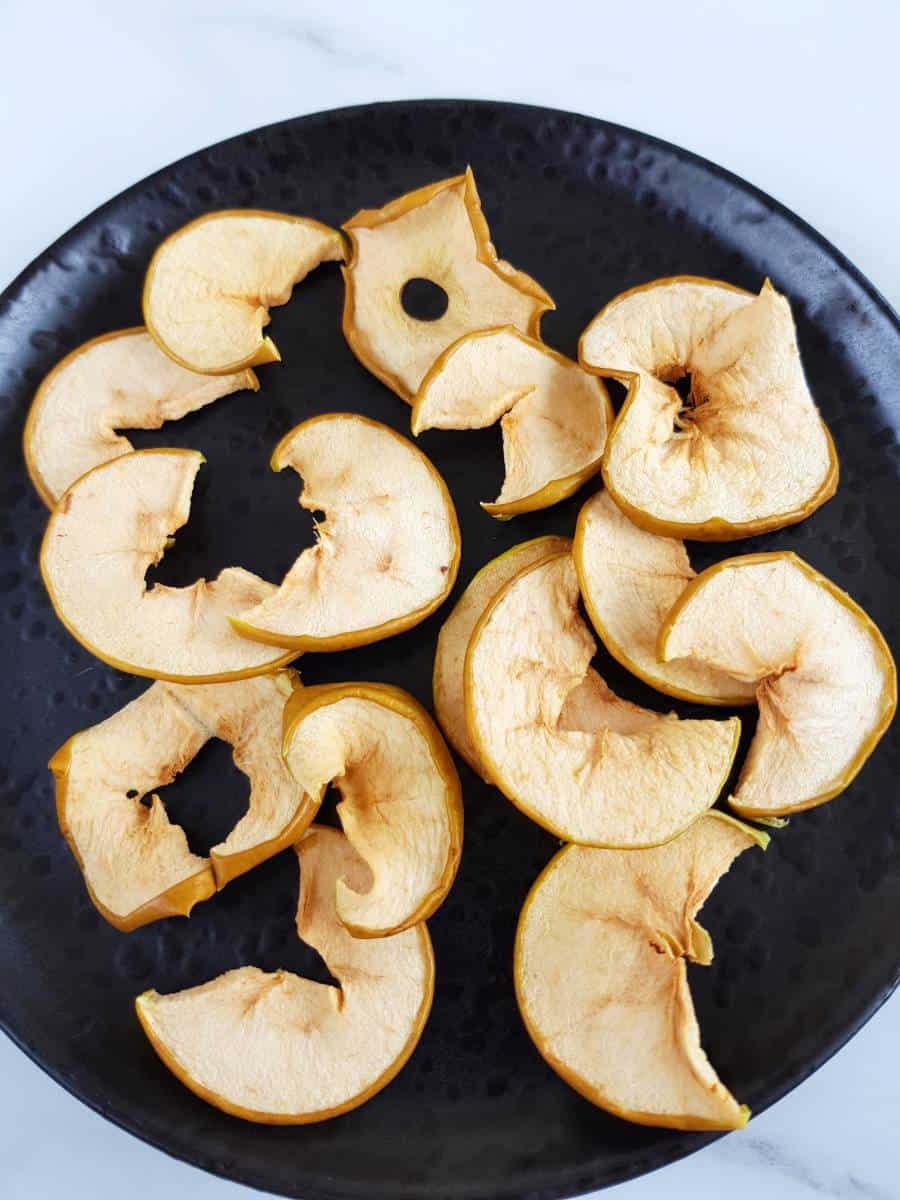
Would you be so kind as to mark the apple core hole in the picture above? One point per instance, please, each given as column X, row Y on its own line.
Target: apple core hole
column 423, row 300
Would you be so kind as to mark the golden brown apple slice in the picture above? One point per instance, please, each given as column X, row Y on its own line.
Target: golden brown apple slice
column 107, row 530
column 554, row 415
column 826, row 683
column 136, row 864
column 210, row 285
column 748, row 451
column 585, row 764
column 453, row 640
column 437, row 233
column 610, row 931
column 401, row 805
column 629, row 581
column 119, row 380
column 283, row 1050
column 387, row 552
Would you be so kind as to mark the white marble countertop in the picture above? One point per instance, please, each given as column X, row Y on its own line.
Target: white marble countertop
column 800, row 98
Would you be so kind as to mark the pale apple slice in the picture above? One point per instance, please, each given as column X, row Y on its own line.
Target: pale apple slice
column 748, row 451
column 107, row 530
column 282, row 1050
column 401, row 805
column 826, row 682
column 453, row 640
column 210, row 285
column 437, row 233
column 585, row 764
column 387, row 550
column 601, row 979
column 554, row 415
column 117, row 381
column 630, row 579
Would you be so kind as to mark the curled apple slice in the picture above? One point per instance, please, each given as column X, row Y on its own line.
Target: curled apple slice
column 401, row 805
column 826, row 682
column 283, row 1050
column 629, row 581
column 135, row 862
column 437, row 233
column 747, row 451
column 612, row 930
column 554, row 415
column 210, row 285
column 107, row 530
column 387, row 552
column 585, row 764
column 119, row 380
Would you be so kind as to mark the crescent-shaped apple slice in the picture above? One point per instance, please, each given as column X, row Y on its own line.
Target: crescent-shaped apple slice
column 107, row 530
column 748, row 450
column 826, row 682
column 283, row 1050
column 585, row 764
column 387, row 552
column 210, row 285
column 554, row 415
column 401, row 805
column 629, row 581
column 610, row 931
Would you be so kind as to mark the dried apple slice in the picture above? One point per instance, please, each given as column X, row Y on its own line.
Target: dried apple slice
column 107, row 530
column 629, row 581
column 387, row 552
column 437, row 233
column 748, row 451
column 136, row 864
column 282, row 1050
column 554, row 415
column 210, row 285
column 401, row 805
column 826, row 682
column 585, row 764
column 611, row 930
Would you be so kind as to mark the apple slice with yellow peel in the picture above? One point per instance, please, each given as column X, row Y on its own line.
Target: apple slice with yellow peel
column 610, row 931
column 826, row 682
column 210, row 285
column 117, row 381
column 748, row 451
column 387, row 552
column 576, row 758
column 554, row 415
column 107, row 530
column 135, row 862
column 282, row 1050
column 401, row 805
column 453, row 640
column 437, row 233
column 630, row 579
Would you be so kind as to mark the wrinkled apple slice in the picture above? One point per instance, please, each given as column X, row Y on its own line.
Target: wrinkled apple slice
column 119, row 380
column 826, row 683
column 629, row 581
column 387, row 552
column 748, row 451
column 453, row 640
column 401, row 805
column 135, row 862
column 554, row 415
column 210, row 285
column 283, row 1050
column 107, row 530
column 610, row 931
column 585, row 764
column 437, row 233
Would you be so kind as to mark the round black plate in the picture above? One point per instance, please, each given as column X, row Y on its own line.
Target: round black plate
column 806, row 937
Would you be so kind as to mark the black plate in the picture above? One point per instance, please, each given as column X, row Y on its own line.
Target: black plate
column 806, row 937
